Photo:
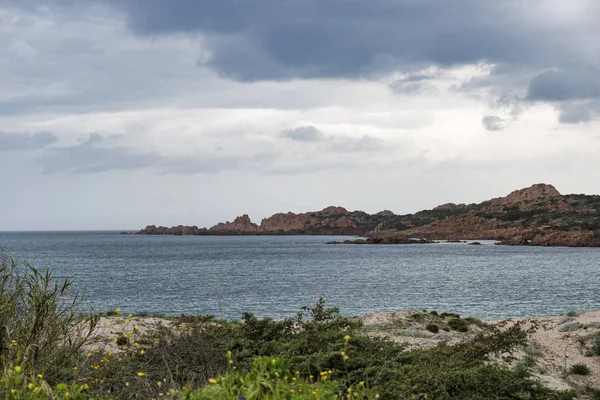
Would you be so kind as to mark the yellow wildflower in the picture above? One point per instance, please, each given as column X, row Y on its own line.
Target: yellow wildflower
column 347, row 337
column 140, row 374
column 18, row 369
column 212, row 380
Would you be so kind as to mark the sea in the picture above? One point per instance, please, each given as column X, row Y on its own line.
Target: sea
column 274, row 276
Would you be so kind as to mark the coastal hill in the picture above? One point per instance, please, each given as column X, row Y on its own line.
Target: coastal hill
column 537, row 215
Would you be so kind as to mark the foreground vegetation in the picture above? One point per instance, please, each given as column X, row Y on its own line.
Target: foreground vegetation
column 46, row 352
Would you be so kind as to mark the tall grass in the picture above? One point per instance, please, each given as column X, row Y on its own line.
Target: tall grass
column 40, row 326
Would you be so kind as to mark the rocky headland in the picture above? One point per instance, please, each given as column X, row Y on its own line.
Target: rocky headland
column 538, row 215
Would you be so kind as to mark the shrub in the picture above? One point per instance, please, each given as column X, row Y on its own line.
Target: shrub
column 579, row 369
column 414, row 332
column 432, row 328
column 458, row 324
column 572, row 313
column 271, row 378
column 595, row 348
column 570, row 327
column 533, row 351
column 15, row 384
column 40, row 327
column 474, row 321
column 451, row 315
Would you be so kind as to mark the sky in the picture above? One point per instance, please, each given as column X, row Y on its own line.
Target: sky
column 116, row 114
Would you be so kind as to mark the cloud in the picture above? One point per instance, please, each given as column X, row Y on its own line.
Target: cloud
column 303, row 133
column 564, row 85
column 19, row 141
column 335, row 144
column 92, row 156
column 413, row 84
column 493, row 123
column 364, row 143
column 98, row 153
column 575, row 113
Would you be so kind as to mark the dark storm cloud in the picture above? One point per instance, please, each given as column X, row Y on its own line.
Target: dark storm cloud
column 273, row 39
column 17, row 141
column 303, row 133
column 288, row 39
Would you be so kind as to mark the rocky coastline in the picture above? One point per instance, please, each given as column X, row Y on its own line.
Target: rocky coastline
column 535, row 216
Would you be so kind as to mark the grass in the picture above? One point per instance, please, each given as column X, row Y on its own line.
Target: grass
column 317, row 354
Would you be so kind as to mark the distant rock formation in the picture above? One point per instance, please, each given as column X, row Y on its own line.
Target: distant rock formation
column 179, row 230
column 533, row 192
column 538, row 215
column 449, row 206
column 241, row 224
column 385, row 213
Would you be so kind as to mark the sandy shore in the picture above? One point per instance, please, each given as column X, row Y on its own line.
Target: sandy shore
column 557, row 342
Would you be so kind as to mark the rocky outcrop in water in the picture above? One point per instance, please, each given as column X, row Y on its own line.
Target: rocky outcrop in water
column 385, row 240
column 179, row 230
column 577, row 238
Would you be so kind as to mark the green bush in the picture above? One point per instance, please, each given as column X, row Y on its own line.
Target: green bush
column 579, row 369
column 432, row 328
column 572, row 313
column 458, row 324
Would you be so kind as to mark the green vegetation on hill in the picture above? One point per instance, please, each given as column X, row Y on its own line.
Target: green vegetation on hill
column 318, row 354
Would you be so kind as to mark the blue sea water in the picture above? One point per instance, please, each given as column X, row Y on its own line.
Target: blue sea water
column 276, row 275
